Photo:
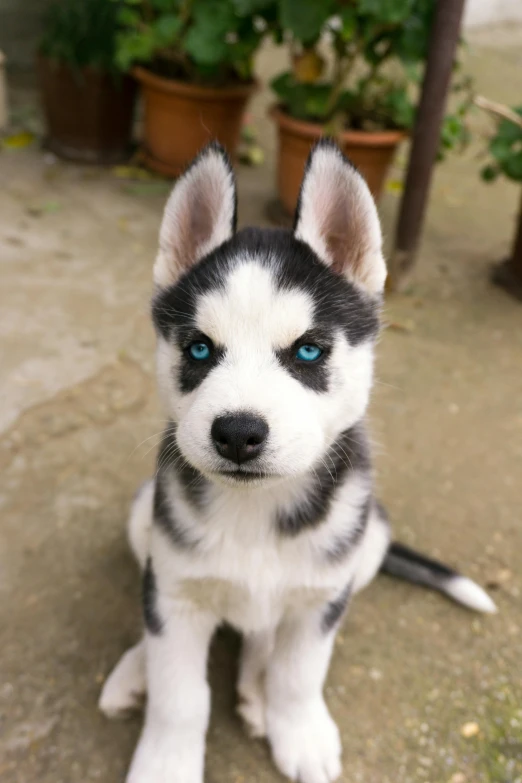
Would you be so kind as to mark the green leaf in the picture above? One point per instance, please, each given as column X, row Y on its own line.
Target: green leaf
column 129, row 17
column 508, row 131
column 81, row 33
column 506, row 149
column 410, row 39
column 165, row 6
column 281, row 84
column 489, row 173
column 512, row 167
column 399, row 107
column 500, row 148
column 167, row 28
column 305, row 18
column 251, row 7
column 387, row 11
column 134, row 46
column 303, row 101
column 204, row 47
column 205, row 41
column 349, row 23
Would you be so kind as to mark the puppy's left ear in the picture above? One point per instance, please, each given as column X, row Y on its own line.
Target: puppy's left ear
column 200, row 215
column 336, row 216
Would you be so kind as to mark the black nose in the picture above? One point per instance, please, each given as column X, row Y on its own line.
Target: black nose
column 239, row 437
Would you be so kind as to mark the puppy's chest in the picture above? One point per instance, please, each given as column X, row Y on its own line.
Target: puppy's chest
column 246, row 608
column 251, row 585
column 249, row 574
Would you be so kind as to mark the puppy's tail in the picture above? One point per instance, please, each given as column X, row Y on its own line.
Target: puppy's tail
column 405, row 563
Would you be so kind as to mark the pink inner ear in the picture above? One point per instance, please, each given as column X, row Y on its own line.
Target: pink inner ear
column 193, row 228
column 201, row 219
column 342, row 225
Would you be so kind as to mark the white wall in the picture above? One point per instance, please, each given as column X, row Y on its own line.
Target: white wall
column 481, row 12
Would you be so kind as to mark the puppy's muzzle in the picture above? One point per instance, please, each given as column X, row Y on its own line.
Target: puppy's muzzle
column 239, row 437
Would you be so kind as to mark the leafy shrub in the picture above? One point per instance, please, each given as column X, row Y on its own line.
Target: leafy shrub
column 505, row 149
column 201, row 41
column 378, row 49
column 81, row 33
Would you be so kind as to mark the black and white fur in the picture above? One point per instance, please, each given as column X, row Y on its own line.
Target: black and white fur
column 275, row 544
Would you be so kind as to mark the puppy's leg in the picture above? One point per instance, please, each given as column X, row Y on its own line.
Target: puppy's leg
column 304, row 739
column 172, row 744
column 255, row 654
column 125, row 687
column 140, row 522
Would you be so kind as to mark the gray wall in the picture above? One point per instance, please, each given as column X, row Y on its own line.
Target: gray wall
column 483, row 12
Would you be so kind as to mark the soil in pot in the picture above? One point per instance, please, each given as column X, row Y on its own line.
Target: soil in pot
column 180, row 118
column 371, row 152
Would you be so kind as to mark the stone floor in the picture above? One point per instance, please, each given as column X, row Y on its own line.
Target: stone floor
column 77, row 415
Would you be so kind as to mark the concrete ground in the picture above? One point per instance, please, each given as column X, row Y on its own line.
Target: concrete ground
column 422, row 690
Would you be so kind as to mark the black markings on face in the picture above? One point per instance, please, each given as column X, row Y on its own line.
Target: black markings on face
column 192, row 371
column 337, row 304
column 172, row 467
column 193, row 483
column 349, row 453
column 342, row 546
column 312, row 374
column 153, row 621
column 174, row 314
column 335, row 610
column 165, row 518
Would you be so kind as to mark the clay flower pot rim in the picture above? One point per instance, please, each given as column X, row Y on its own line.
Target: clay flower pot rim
column 312, row 130
column 197, row 91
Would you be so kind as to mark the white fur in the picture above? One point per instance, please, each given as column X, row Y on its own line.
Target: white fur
column 198, row 216
column 253, row 321
column 336, row 203
column 257, row 650
column 470, row 594
column 239, row 568
column 372, row 551
column 125, row 689
column 140, row 522
column 275, row 590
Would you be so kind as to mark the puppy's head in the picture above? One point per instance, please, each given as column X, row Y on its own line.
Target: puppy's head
column 265, row 338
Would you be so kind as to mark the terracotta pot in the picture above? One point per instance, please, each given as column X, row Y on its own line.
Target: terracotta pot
column 89, row 113
column 371, row 152
column 180, row 118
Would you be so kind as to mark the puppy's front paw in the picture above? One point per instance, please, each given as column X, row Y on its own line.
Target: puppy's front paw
column 251, row 708
column 305, row 743
column 124, row 689
column 167, row 758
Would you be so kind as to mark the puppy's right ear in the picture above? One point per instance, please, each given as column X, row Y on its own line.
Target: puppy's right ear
column 336, row 215
column 200, row 215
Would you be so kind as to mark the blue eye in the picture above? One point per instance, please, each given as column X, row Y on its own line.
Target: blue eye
column 309, row 353
column 199, row 351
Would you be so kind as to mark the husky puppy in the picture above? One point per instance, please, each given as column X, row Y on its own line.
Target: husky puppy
column 262, row 512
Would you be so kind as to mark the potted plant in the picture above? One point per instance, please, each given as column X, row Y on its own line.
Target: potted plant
column 505, row 150
column 194, row 61
column 88, row 103
column 355, row 70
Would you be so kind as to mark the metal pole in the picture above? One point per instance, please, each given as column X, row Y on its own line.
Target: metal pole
column 508, row 273
column 426, row 136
